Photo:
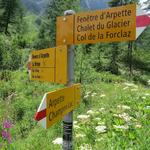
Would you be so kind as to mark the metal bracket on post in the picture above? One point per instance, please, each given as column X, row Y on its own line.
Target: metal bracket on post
column 68, row 119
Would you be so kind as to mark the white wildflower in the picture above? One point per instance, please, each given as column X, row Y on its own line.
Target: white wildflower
column 90, row 112
column 147, row 107
column 148, row 82
column 101, row 129
column 102, row 109
column 93, row 94
column 125, row 88
column 101, row 123
column 58, row 141
column 80, row 135
column 98, row 140
column 85, row 147
column 147, row 94
column 76, row 126
column 125, row 116
column 144, row 97
column 75, row 122
column 97, row 119
column 130, row 85
column 102, row 95
column 138, row 126
column 115, row 115
column 88, row 93
column 125, row 127
column 83, row 117
column 124, row 107
column 134, row 90
column 86, row 96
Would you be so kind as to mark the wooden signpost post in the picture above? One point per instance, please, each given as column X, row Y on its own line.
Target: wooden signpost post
column 124, row 23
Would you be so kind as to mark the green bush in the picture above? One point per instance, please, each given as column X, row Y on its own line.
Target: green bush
column 10, row 54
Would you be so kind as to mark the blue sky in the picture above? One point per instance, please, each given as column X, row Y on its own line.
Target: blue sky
column 94, row 4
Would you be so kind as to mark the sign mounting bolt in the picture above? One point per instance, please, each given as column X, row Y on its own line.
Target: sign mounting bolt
column 64, row 41
column 64, row 19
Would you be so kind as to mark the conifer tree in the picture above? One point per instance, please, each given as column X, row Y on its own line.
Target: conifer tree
column 10, row 10
column 114, row 3
column 55, row 8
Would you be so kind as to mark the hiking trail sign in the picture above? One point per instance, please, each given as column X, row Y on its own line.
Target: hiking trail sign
column 55, row 105
column 124, row 23
column 49, row 65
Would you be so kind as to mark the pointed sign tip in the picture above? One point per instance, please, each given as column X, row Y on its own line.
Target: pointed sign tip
column 40, row 115
column 142, row 21
column 35, row 116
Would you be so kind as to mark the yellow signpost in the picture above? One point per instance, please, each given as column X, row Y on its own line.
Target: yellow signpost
column 55, row 105
column 54, row 65
column 108, row 25
column 49, row 65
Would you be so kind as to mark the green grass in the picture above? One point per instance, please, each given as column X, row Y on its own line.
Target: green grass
column 20, row 98
column 117, row 94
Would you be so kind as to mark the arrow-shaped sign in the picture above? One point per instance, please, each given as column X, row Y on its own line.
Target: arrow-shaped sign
column 55, row 105
column 142, row 21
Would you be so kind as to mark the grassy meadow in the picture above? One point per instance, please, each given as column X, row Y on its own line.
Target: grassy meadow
column 113, row 114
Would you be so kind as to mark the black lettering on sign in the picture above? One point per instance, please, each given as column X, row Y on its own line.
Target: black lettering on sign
column 100, row 26
column 54, row 102
column 82, row 37
column 36, row 64
column 119, row 24
column 35, row 56
column 36, row 70
column 100, row 36
column 87, row 18
column 121, row 34
column 46, row 55
column 102, row 16
column 50, row 117
column 81, row 28
column 91, row 36
column 54, row 114
column 119, row 14
column 36, row 77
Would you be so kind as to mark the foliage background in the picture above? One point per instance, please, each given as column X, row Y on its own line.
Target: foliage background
column 115, row 74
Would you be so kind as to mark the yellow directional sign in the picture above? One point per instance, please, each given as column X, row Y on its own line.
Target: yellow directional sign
column 108, row 25
column 49, row 65
column 55, row 105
